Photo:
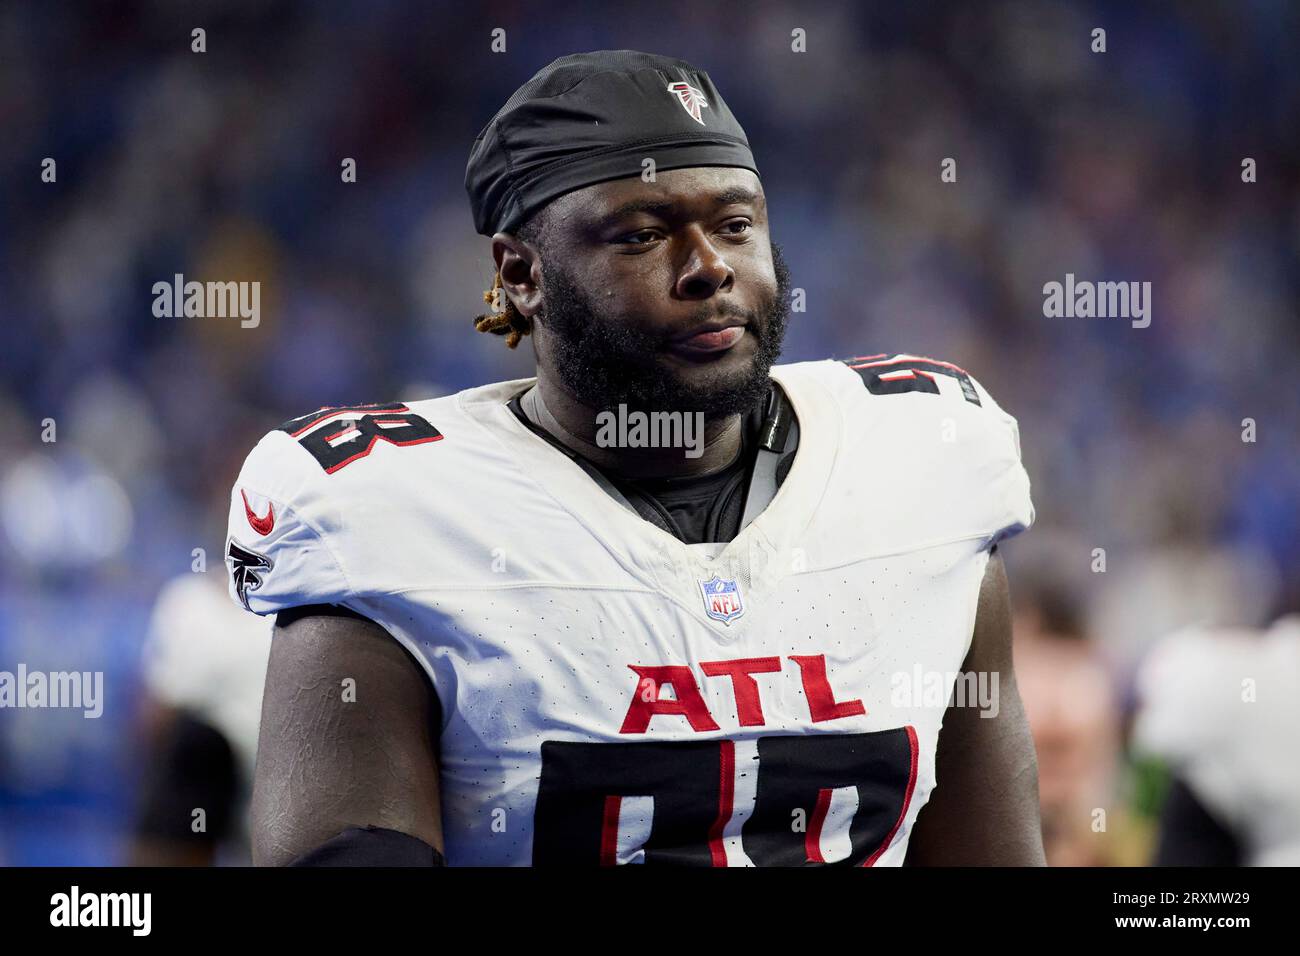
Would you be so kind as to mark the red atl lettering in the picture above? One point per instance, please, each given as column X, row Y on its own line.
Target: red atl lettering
column 748, row 706
column 689, row 703
column 821, row 699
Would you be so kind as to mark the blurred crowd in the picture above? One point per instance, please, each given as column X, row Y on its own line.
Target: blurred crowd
column 1164, row 459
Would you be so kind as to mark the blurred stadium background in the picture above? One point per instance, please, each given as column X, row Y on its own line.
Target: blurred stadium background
column 1117, row 166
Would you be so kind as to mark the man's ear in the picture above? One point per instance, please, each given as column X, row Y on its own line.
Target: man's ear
column 521, row 271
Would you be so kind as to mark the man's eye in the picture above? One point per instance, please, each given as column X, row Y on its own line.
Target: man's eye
column 638, row 238
column 737, row 227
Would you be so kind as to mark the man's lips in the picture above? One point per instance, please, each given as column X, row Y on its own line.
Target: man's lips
column 706, row 343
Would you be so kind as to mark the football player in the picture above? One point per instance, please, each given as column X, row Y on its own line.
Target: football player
column 511, row 633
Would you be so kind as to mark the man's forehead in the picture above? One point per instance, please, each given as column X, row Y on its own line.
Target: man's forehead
column 695, row 189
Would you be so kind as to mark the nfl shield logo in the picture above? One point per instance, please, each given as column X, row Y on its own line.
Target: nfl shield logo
column 722, row 599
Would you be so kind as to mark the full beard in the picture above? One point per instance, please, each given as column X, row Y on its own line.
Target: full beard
column 605, row 361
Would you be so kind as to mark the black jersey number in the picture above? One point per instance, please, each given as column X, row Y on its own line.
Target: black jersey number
column 686, row 799
column 352, row 431
column 896, row 376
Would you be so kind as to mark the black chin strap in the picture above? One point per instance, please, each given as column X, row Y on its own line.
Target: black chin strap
column 778, row 437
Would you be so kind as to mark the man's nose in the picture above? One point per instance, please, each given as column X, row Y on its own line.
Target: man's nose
column 705, row 271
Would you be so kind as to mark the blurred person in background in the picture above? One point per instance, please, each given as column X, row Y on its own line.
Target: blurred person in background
column 204, row 664
column 1073, row 711
column 1220, row 708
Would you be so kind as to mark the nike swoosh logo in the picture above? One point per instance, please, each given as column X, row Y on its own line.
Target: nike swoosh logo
column 262, row 526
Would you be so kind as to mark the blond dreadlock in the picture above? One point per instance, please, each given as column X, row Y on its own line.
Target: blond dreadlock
column 504, row 319
column 508, row 321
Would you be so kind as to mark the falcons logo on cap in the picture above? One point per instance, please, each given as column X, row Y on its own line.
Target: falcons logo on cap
column 690, row 98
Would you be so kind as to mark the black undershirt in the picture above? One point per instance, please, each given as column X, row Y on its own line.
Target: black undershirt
column 697, row 509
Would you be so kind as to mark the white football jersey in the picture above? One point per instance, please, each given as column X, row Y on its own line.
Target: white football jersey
column 612, row 695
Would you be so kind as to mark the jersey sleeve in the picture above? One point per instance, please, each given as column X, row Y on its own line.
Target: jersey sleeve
column 927, row 437
column 1007, row 506
column 278, row 547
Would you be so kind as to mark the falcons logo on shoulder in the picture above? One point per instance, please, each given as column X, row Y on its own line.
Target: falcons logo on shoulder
column 244, row 567
column 690, row 98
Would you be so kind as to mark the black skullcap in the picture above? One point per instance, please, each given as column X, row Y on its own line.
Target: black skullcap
column 590, row 117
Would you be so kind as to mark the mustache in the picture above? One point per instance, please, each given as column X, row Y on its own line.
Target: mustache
column 753, row 319
column 759, row 319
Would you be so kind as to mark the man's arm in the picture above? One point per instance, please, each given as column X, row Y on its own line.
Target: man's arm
column 326, row 762
column 984, row 809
